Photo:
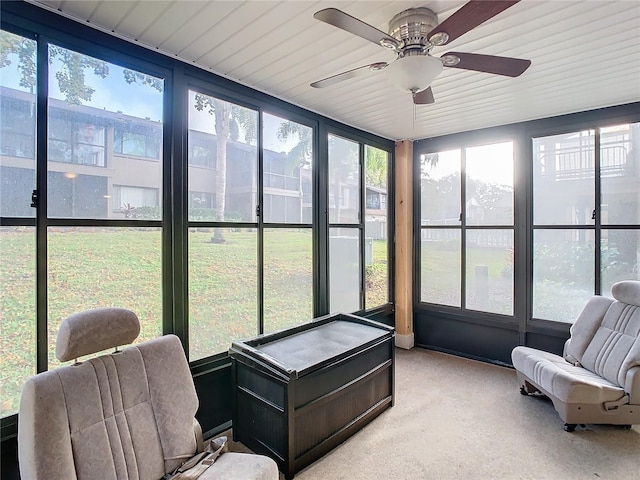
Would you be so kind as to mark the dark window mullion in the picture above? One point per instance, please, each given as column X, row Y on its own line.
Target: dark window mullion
column 463, row 227
column 597, row 288
column 42, row 117
column 361, row 218
column 260, row 226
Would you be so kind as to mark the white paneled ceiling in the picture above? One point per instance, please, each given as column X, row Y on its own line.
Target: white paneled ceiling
column 584, row 54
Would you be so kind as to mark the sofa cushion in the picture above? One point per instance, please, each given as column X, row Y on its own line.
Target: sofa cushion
column 568, row 383
column 235, row 466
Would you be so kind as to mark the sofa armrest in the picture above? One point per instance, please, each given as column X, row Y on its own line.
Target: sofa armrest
column 632, row 385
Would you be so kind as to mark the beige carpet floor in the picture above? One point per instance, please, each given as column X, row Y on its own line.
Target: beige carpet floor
column 461, row 419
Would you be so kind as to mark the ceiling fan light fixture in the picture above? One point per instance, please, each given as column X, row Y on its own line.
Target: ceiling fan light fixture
column 414, row 73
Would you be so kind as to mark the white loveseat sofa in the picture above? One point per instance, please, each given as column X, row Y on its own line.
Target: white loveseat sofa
column 597, row 380
column 122, row 416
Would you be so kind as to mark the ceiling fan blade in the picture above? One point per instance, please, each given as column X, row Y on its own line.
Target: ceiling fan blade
column 424, row 97
column 469, row 16
column 507, row 66
column 342, row 20
column 340, row 77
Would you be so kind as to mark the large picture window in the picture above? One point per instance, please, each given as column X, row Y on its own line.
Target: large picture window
column 584, row 242
column 17, row 233
column 222, row 189
column 287, row 215
column 467, row 228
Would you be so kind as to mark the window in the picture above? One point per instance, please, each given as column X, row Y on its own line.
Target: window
column 73, row 140
column 222, row 138
column 358, row 247
column 222, row 181
column 17, row 241
column 583, row 244
column 117, row 266
column 467, row 253
column 376, row 246
column 136, row 202
column 345, row 284
column 82, row 172
column 139, row 138
column 17, row 114
column 288, row 240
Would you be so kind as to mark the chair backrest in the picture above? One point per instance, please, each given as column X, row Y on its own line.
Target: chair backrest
column 605, row 338
column 125, row 415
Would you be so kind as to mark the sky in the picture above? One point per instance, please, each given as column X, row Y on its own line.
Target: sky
column 114, row 94
column 488, row 163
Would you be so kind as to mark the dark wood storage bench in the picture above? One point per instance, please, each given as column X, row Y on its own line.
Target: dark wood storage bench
column 302, row 391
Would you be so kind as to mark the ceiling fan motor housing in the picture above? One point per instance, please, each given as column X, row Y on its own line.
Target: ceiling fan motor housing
column 411, row 27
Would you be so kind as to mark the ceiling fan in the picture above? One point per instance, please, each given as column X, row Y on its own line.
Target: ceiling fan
column 413, row 34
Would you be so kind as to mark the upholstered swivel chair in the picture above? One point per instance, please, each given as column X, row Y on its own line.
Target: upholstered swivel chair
column 121, row 416
column 597, row 380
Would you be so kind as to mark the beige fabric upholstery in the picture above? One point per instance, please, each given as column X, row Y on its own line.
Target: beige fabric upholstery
column 598, row 378
column 92, row 331
column 126, row 415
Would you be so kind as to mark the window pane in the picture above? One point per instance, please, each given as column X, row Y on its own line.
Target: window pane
column 489, row 271
column 288, row 278
column 620, row 174
column 101, row 144
column 489, row 184
column 18, row 313
column 376, row 227
column 563, row 179
column 620, row 257
column 440, row 188
column 344, row 269
column 223, row 160
column 17, row 125
column 223, row 290
column 440, row 269
column 563, row 273
column 104, row 267
column 344, row 180
column 287, row 161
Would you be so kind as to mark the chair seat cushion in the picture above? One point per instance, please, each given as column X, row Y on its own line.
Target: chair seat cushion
column 568, row 383
column 235, row 466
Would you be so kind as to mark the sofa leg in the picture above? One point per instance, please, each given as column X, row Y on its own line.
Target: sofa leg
column 569, row 427
column 523, row 391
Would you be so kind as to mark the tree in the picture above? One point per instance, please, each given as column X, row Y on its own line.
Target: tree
column 71, row 77
column 228, row 119
column 375, row 172
column 376, row 160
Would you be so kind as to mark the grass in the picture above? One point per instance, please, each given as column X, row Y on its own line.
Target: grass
column 441, row 278
column 95, row 267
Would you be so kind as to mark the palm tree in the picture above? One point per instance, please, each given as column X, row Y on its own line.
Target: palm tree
column 228, row 119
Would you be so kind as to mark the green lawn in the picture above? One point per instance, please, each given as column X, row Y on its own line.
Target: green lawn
column 441, row 277
column 96, row 267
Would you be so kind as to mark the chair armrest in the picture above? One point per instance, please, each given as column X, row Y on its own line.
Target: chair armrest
column 632, row 385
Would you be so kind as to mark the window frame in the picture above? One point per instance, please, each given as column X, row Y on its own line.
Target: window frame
column 462, row 142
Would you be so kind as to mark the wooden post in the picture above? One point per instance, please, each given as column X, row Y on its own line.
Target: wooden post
column 404, row 244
